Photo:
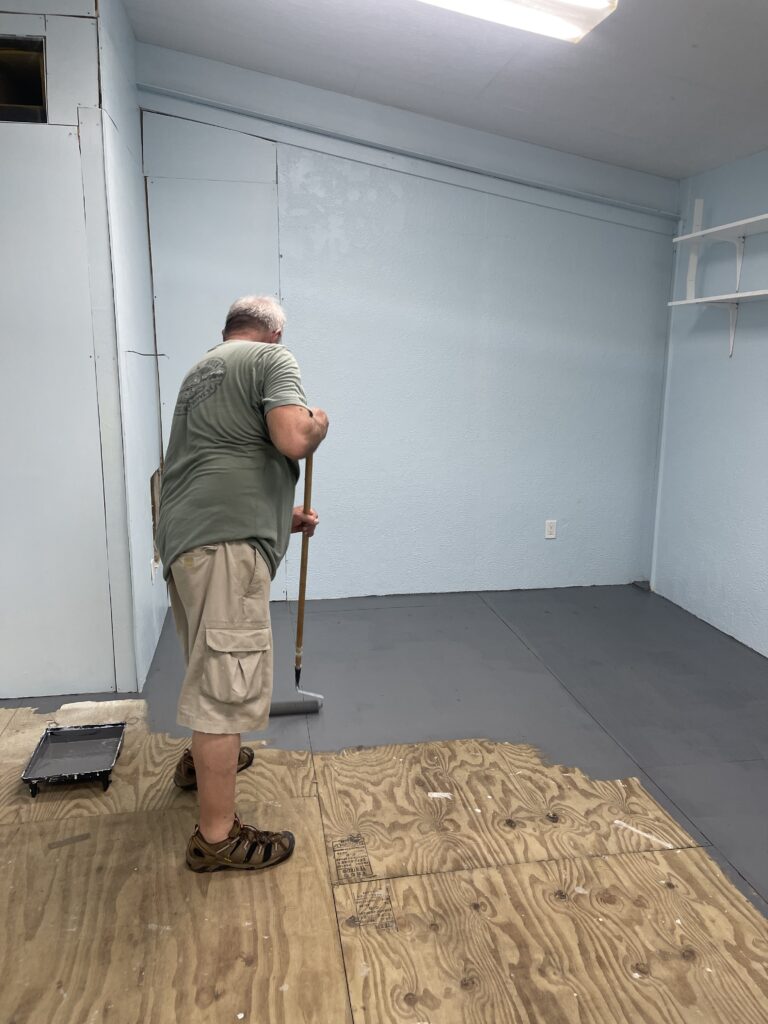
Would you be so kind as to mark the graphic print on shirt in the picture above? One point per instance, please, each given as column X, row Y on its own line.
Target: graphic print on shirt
column 200, row 384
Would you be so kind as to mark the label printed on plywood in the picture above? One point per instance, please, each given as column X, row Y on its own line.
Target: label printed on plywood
column 352, row 861
column 374, row 910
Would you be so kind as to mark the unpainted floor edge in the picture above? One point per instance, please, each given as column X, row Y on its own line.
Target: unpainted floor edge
column 744, row 886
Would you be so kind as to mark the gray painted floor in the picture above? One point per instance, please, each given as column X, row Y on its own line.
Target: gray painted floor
column 612, row 679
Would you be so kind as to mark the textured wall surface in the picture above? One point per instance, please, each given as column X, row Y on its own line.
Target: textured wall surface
column 712, row 527
column 487, row 364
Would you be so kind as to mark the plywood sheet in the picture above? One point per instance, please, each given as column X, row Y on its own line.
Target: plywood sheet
column 6, row 717
column 414, row 809
column 103, row 922
column 652, row 938
column 143, row 780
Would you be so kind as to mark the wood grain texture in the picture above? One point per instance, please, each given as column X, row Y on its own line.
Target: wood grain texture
column 649, row 938
column 142, row 780
column 423, row 808
column 539, row 896
column 6, row 717
column 103, row 923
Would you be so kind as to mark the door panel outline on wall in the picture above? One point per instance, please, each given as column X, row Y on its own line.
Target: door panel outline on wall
column 248, row 170
column 191, row 292
column 161, row 447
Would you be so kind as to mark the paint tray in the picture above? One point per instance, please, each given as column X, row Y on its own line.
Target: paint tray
column 75, row 753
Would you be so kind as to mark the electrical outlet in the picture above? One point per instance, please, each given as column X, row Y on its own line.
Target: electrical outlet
column 550, row 529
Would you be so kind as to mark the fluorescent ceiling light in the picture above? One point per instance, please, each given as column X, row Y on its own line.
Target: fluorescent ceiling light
column 562, row 19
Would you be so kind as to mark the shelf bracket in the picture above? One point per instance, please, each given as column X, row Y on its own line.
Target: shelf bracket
column 693, row 255
column 733, row 309
column 739, row 243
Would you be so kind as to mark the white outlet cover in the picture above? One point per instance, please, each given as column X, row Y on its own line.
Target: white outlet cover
column 550, row 529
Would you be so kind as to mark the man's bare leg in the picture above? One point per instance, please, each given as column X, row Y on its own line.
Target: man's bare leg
column 215, row 758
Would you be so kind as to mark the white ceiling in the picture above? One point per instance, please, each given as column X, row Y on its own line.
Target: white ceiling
column 667, row 86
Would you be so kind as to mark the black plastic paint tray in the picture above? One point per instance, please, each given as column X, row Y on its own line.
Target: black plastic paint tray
column 75, row 753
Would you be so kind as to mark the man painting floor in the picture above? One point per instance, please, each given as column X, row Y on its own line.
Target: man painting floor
column 240, row 425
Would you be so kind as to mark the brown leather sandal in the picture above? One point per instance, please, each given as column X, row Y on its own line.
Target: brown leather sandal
column 246, row 849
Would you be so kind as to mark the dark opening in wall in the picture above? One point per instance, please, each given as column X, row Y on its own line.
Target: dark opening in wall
column 22, row 79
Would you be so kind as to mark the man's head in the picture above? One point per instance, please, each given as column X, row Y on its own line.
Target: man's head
column 255, row 318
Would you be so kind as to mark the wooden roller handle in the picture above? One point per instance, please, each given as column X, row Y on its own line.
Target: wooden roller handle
column 304, row 561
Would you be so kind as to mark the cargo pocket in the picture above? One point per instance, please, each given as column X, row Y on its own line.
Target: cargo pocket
column 233, row 661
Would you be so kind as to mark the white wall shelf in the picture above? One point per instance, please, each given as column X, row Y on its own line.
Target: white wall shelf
column 736, row 232
column 728, row 232
column 724, row 300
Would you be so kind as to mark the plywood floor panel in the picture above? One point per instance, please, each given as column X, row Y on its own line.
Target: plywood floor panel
column 424, row 808
column 6, row 717
column 142, row 780
column 103, row 923
column 536, row 895
column 650, row 938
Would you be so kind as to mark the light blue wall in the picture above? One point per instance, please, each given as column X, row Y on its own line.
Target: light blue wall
column 132, row 282
column 56, row 512
column 711, row 552
column 487, row 364
column 491, row 353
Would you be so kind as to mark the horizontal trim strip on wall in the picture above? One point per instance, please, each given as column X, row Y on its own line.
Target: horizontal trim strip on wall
column 203, row 112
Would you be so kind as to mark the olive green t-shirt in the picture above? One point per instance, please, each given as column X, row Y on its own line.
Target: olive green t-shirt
column 223, row 479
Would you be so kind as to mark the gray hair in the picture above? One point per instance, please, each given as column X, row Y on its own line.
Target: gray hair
column 255, row 311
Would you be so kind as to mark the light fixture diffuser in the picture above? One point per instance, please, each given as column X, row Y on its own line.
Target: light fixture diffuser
column 570, row 20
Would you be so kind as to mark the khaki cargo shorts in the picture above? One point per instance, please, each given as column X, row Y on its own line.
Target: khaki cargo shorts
column 220, row 601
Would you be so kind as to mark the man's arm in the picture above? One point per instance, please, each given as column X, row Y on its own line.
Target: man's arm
column 296, row 431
